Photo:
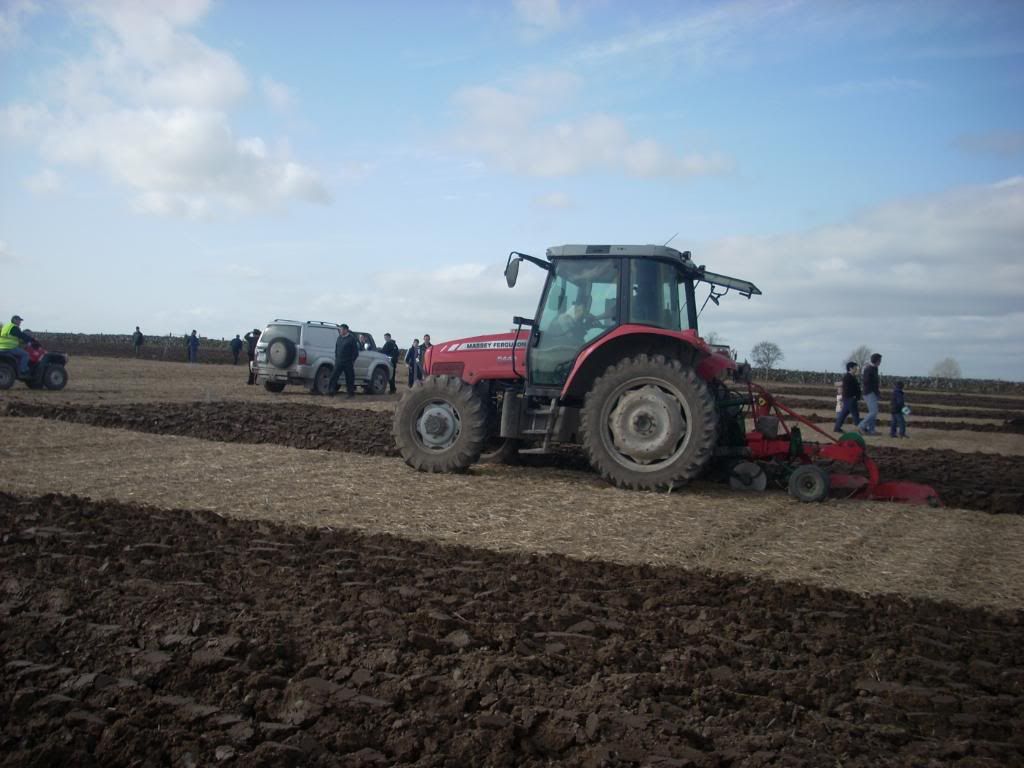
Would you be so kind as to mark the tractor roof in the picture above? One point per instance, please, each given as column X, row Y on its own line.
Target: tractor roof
column 649, row 251
column 699, row 274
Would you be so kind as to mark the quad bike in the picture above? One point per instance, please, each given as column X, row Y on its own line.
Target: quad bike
column 46, row 370
column 612, row 361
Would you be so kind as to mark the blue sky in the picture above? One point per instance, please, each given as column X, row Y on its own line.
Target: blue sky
column 213, row 165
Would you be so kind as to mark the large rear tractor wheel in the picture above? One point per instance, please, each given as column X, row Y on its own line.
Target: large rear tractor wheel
column 649, row 423
column 55, row 377
column 7, row 375
column 440, row 425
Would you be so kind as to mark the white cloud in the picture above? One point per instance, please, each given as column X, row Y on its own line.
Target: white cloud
column 13, row 15
column 919, row 280
column 149, row 107
column 277, row 94
column 521, row 130
column 6, row 254
column 44, row 182
column 543, row 17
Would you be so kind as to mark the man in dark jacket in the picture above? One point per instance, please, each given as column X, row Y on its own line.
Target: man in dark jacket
column 851, row 394
column 346, row 350
column 390, row 349
column 236, row 347
column 252, row 338
column 423, row 355
column 872, row 395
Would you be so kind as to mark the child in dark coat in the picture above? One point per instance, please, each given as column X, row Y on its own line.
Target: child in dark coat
column 899, row 420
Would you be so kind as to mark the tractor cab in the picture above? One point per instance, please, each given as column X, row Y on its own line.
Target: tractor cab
column 595, row 293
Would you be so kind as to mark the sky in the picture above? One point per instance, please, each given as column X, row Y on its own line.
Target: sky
column 215, row 164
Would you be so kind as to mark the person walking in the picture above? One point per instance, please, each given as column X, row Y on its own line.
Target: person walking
column 251, row 340
column 872, row 395
column 390, row 349
column 193, row 348
column 137, row 341
column 850, row 394
column 898, row 412
column 11, row 339
column 236, row 348
column 423, row 356
column 412, row 359
column 346, row 350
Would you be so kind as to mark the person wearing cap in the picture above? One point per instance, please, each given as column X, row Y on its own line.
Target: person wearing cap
column 11, row 339
column 252, row 339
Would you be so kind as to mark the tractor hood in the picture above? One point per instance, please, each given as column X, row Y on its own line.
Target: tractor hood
column 480, row 357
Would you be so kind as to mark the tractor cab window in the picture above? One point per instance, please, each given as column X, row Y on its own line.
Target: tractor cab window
column 657, row 295
column 580, row 304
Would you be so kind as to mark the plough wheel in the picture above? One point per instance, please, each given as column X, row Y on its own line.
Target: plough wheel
column 808, row 483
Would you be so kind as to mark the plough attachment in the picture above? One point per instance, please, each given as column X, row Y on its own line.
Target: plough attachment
column 814, row 470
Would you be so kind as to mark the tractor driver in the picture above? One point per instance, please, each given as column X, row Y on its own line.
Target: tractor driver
column 11, row 337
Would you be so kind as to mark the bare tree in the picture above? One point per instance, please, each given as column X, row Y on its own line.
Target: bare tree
column 713, row 337
column 860, row 356
column 946, row 369
column 766, row 354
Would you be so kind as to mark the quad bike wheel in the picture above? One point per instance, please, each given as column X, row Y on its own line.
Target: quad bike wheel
column 7, row 375
column 281, row 352
column 748, row 476
column 440, row 425
column 55, row 377
column 808, row 483
column 273, row 386
column 649, row 423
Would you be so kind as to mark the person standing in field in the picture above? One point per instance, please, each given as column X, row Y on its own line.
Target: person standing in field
column 850, row 394
column 390, row 349
column 412, row 359
column 137, row 341
column 346, row 350
column 423, row 355
column 236, row 348
column 251, row 340
column 872, row 395
column 899, row 419
column 193, row 348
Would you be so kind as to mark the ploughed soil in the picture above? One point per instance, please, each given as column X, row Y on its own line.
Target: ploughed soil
column 141, row 636
column 957, row 400
column 986, row 482
column 1011, row 417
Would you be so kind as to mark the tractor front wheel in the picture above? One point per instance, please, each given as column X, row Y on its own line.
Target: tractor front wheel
column 649, row 423
column 440, row 425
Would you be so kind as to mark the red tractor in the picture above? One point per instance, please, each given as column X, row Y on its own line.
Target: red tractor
column 613, row 362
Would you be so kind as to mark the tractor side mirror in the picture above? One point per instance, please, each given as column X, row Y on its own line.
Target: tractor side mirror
column 512, row 272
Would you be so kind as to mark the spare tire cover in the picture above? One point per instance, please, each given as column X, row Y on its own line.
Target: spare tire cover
column 281, row 352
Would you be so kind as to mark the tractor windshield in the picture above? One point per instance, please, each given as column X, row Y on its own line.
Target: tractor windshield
column 580, row 303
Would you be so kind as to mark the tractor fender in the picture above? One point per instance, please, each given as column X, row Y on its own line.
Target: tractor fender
column 630, row 339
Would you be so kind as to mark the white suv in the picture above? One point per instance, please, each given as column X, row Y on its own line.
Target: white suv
column 293, row 352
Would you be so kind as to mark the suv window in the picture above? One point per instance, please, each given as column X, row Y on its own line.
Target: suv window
column 322, row 338
column 274, row 331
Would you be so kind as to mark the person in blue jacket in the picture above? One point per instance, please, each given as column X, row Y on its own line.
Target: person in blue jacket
column 899, row 419
column 193, row 347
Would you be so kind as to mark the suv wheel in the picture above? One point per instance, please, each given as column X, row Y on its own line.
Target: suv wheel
column 322, row 379
column 378, row 381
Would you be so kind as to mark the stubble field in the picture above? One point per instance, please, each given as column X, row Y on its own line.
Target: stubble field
column 199, row 572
